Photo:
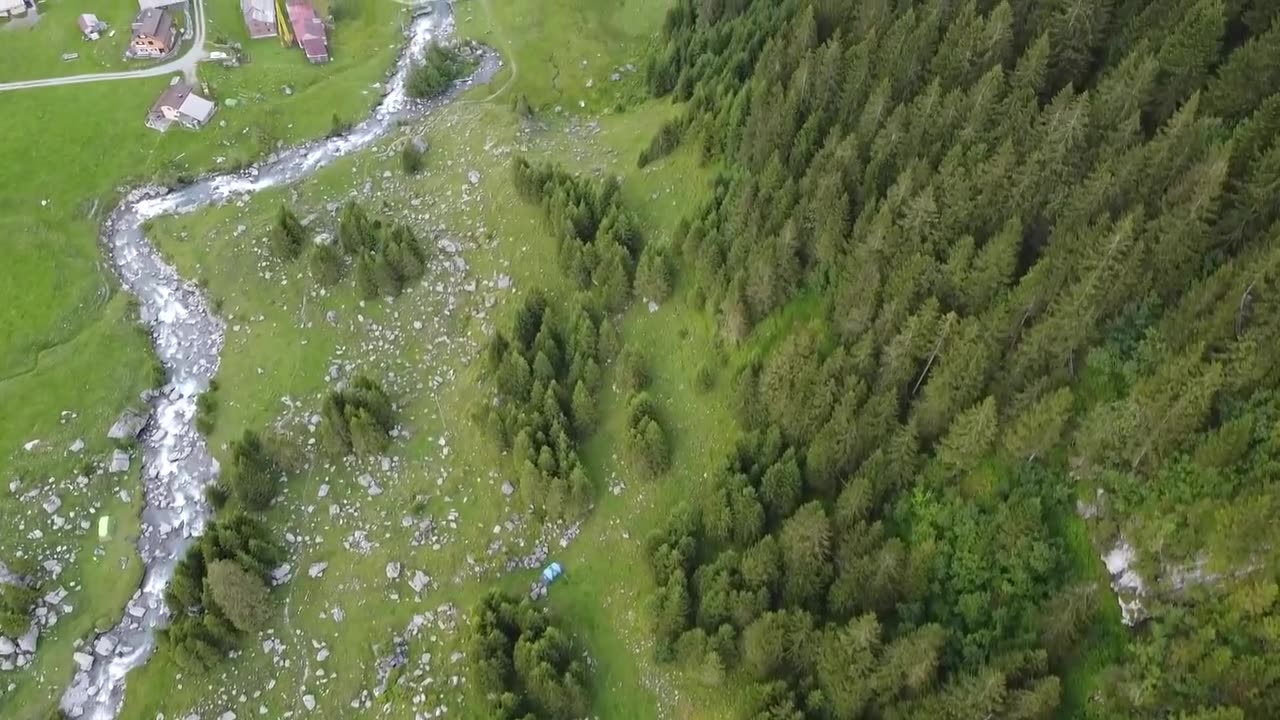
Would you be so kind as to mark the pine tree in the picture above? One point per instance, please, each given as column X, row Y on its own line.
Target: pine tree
column 366, row 278
column 969, row 437
column 1039, row 427
column 326, row 265
column 240, row 594
column 288, row 237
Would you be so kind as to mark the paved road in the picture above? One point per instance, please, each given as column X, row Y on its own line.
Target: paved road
column 186, row 64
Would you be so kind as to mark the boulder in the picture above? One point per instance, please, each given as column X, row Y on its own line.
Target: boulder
column 127, row 426
column 6, row 646
column 27, row 642
column 309, row 701
column 317, row 569
column 393, row 570
column 119, row 462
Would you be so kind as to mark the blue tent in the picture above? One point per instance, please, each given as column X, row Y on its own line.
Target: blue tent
column 552, row 572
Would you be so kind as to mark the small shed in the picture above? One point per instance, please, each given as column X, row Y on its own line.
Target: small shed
column 551, row 573
column 90, row 26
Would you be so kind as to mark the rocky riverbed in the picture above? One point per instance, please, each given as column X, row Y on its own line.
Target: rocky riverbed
column 188, row 338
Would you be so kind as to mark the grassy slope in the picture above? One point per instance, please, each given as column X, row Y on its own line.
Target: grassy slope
column 286, row 348
column 69, row 343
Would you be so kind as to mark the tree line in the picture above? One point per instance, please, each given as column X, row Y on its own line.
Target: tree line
column 545, row 374
column 1041, row 238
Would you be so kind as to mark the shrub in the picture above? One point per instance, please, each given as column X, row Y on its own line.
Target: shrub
column 411, row 159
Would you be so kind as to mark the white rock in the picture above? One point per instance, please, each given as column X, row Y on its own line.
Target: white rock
column 317, row 569
column 393, row 570
column 309, row 701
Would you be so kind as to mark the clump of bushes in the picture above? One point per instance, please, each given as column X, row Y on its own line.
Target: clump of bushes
column 255, row 474
column 664, row 142
column 523, row 664
column 387, row 258
column 288, row 236
column 16, row 602
column 599, row 240
column 220, row 591
column 646, row 440
column 358, row 419
column 544, row 379
column 440, row 68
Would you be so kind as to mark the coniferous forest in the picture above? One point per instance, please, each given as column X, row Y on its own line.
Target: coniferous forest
column 1026, row 255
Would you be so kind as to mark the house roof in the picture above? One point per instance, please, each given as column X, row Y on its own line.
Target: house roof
column 145, row 4
column 155, row 22
column 12, row 5
column 197, row 108
column 259, row 10
column 173, row 96
column 87, row 21
column 315, row 47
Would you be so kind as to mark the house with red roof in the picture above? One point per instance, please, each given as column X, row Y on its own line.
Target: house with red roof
column 308, row 30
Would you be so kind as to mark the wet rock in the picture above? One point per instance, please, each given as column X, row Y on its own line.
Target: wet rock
column 83, row 660
column 105, row 645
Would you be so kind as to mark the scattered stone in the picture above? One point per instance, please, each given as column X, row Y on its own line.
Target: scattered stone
column 317, row 569
column 508, row 489
column 52, row 504
column 419, row 581
column 309, row 701
column 393, row 570
column 77, row 446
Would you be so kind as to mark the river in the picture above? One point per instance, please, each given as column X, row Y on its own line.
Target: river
column 188, row 336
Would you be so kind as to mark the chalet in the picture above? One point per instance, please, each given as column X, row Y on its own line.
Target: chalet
column 90, row 26
column 154, row 34
column 259, row 18
column 178, row 103
column 309, row 30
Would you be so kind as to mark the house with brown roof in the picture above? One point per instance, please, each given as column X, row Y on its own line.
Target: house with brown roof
column 155, row 34
column 309, row 30
column 179, row 103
